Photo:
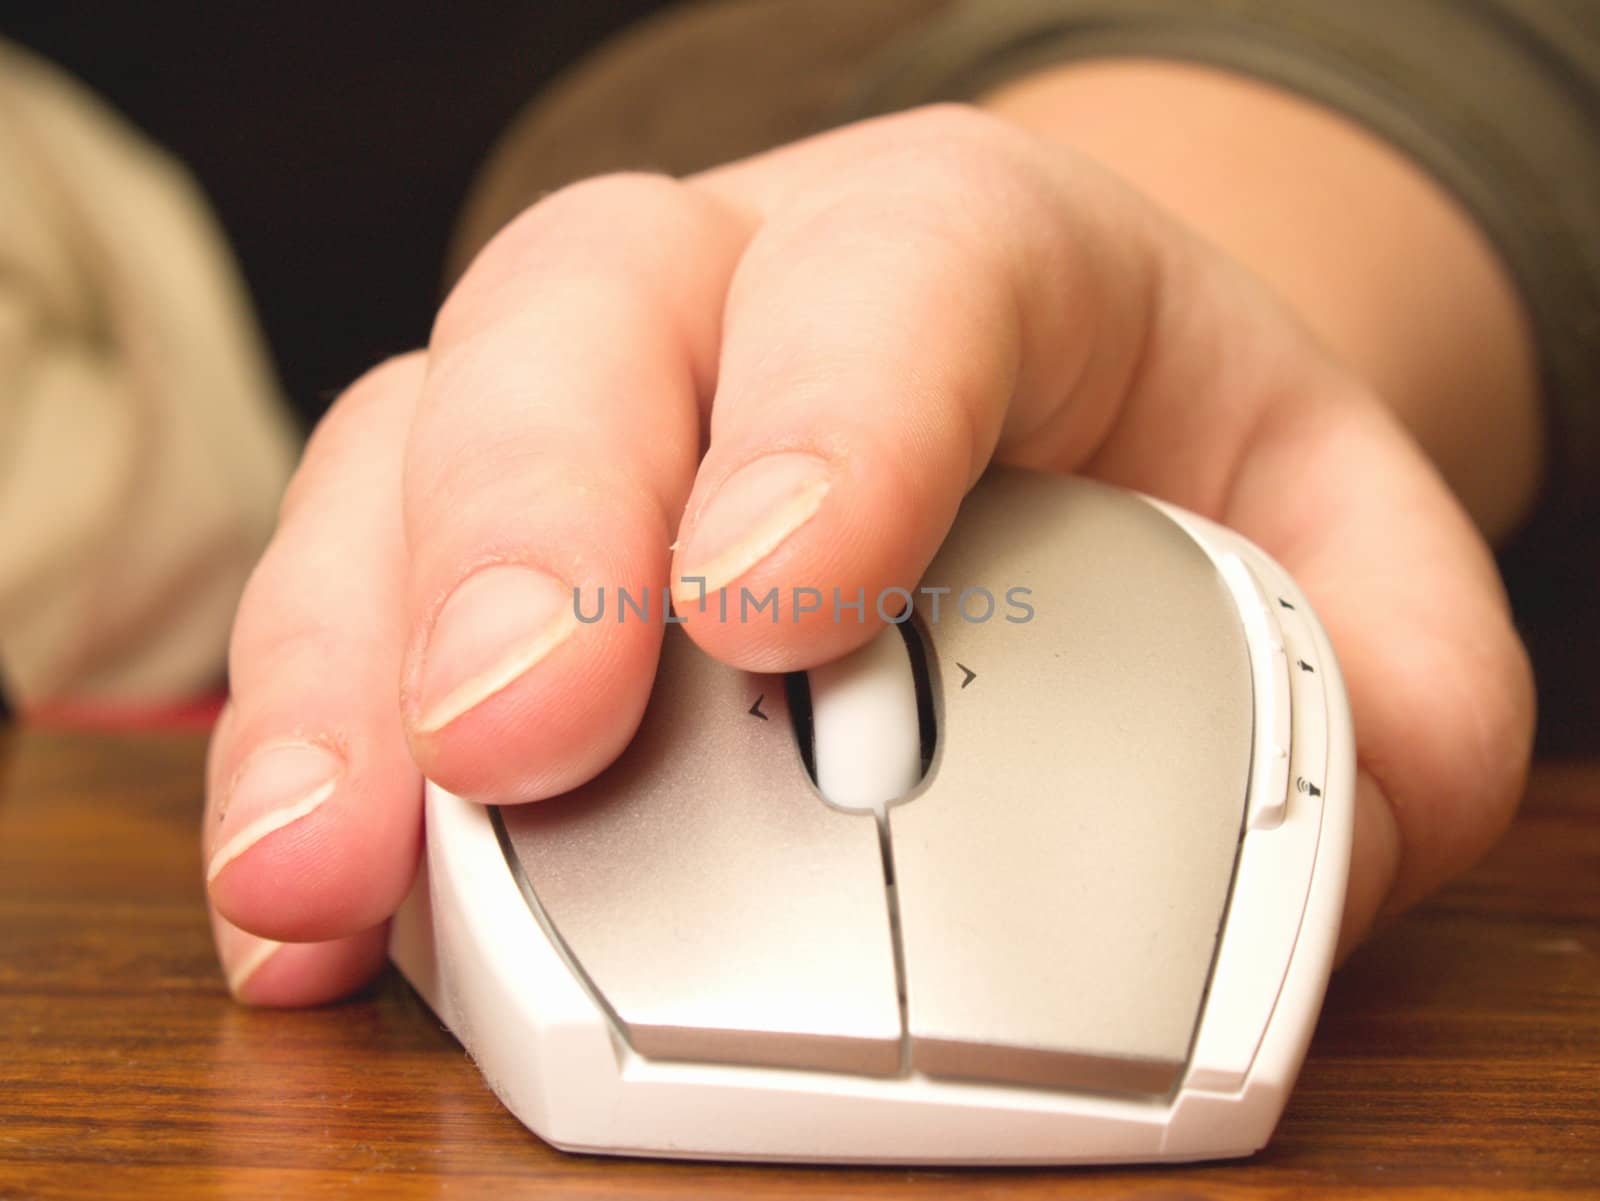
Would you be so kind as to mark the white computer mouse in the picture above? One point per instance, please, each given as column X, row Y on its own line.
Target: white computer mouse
column 1049, row 877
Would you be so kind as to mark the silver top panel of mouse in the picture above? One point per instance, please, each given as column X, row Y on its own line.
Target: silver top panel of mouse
column 1043, row 909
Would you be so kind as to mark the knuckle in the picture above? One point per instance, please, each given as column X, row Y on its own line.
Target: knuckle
column 278, row 641
column 375, row 396
column 253, row 624
column 952, row 122
column 949, row 141
column 576, row 220
column 377, row 387
column 947, row 177
column 603, row 199
column 263, row 605
column 386, row 392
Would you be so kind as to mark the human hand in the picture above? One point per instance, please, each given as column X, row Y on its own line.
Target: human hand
column 787, row 372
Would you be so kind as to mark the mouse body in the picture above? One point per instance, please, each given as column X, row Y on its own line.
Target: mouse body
column 1051, row 871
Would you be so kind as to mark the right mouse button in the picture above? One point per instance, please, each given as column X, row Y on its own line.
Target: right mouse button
column 1063, row 873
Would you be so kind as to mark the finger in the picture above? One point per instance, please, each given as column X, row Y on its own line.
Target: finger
column 1374, row 860
column 552, row 452
column 946, row 295
column 1318, row 471
column 1439, row 685
column 262, row 971
column 313, row 811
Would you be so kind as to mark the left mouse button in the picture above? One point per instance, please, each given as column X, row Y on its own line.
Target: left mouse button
column 717, row 908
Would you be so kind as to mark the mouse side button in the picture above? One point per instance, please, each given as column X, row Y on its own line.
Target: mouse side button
column 1276, row 860
column 1269, row 667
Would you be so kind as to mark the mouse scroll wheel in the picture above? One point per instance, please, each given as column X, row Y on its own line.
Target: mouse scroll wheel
column 871, row 727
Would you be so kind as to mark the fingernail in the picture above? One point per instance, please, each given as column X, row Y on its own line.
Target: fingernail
column 753, row 512
column 278, row 784
column 247, row 957
column 496, row 626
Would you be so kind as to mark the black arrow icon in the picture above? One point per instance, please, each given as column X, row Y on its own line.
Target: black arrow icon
column 755, row 709
column 968, row 672
column 1304, row 666
column 1285, row 603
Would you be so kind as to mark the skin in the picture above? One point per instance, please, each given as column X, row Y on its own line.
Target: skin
column 1153, row 274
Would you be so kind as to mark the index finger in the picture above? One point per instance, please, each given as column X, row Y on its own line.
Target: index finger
column 549, row 461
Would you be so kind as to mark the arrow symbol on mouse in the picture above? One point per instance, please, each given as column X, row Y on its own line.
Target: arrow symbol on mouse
column 755, row 709
column 968, row 672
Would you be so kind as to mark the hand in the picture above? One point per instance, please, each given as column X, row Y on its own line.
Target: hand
column 788, row 372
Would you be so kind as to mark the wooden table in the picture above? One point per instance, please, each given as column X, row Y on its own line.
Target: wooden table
column 1458, row 1055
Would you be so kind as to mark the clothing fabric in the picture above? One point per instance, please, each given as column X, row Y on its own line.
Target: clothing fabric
column 143, row 445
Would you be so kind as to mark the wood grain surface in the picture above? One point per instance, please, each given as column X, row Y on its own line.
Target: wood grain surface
column 1458, row 1054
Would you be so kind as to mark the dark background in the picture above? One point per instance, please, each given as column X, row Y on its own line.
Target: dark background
column 335, row 141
